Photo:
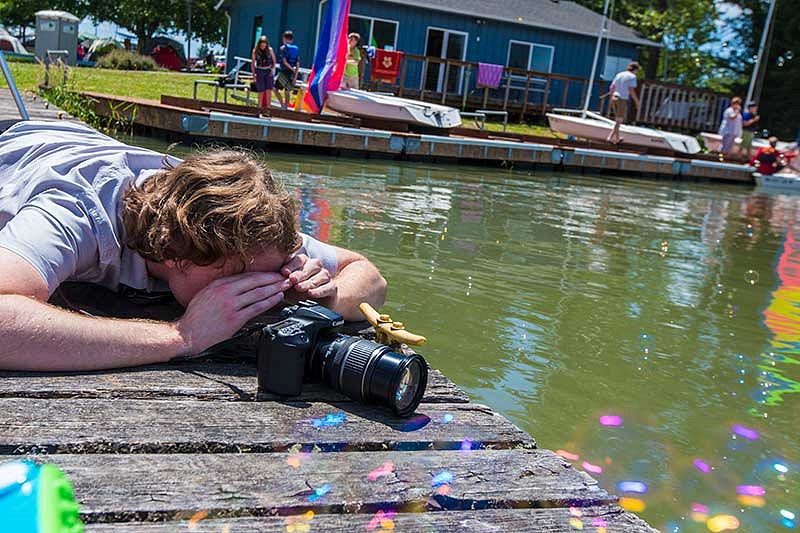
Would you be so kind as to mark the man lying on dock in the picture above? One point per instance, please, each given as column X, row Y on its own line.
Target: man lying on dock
column 216, row 230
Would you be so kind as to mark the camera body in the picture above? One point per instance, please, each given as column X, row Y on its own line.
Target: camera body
column 285, row 348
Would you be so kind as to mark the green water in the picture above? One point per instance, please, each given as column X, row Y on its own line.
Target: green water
column 558, row 299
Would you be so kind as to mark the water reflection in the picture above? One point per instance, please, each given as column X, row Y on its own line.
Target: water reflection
column 535, row 291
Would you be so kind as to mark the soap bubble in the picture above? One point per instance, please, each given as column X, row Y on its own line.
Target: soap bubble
column 789, row 55
column 765, row 133
column 781, row 61
column 755, row 57
column 751, row 277
column 724, row 44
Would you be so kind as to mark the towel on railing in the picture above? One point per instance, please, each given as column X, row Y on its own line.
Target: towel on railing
column 386, row 65
column 489, row 75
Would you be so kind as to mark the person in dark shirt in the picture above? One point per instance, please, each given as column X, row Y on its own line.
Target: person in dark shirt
column 750, row 120
column 769, row 160
column 288, row 65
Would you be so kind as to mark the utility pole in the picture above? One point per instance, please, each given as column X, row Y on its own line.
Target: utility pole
column 189, row 35
column 761, row 51
column 596, row 57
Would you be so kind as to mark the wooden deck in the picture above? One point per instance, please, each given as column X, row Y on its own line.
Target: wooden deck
column 148, row 449
column 38, row 108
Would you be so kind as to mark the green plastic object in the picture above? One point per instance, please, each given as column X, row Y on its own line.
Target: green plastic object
column 58, row 510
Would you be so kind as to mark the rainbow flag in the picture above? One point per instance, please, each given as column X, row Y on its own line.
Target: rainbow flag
column 330, row 57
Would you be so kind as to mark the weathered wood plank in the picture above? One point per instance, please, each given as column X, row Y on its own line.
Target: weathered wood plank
column 183, row 426
column 145, row 487
column 192, row 379
column 557, row 520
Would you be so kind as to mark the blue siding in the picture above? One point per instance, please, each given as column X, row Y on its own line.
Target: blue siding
column 488, row 42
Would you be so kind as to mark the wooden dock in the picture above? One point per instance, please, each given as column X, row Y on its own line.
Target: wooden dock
column 191, row 446
column 199, row 121
column 38, row 108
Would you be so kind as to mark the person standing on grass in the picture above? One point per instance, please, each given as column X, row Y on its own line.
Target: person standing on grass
column 288, row 67
column 731, row 126
column 263, row 69
column 750, row 120
column 350, row 79
column 622, row 89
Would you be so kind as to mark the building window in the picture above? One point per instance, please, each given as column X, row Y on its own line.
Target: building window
column 258, row 29
column 530, row 56
column 380, row 33
column 374, row 32
column 614, row 65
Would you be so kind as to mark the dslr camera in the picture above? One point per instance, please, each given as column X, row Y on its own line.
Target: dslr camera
column 307, row 346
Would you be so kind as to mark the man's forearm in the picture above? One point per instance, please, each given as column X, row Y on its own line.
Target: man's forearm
column 38, row 336
column 359, row 281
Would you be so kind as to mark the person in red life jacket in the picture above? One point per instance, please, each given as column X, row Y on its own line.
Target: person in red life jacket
column 769, row 160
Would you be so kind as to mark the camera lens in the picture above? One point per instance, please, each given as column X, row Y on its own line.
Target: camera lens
column 370, row 372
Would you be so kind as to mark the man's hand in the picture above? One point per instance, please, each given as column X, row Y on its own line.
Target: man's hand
column 309, row 278
column 225, row 305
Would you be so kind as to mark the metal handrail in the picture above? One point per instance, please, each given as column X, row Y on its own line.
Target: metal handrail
column 13, row 86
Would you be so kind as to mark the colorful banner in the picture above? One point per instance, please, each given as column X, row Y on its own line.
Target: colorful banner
column 330, row 57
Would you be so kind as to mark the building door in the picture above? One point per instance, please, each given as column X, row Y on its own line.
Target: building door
column 444, row 44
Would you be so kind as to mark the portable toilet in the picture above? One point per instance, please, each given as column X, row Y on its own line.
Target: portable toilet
column 57, row 30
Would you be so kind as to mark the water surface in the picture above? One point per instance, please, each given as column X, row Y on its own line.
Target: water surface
column 558, row 299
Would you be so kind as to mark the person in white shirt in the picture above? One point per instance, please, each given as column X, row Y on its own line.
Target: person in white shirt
column 622, row 89
column 731, row 126
column 216, row 230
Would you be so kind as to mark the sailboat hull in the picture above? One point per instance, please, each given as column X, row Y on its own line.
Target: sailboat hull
column 378, row 106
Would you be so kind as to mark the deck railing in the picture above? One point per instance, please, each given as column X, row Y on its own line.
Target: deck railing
column 526, row 93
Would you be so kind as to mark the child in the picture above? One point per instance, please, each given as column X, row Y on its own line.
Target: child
column 289, row 65
column 731, row 126
column 770, row 160
column 350, row 79
column 263, row 69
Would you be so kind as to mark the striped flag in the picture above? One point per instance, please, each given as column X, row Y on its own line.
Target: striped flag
column 330, row 57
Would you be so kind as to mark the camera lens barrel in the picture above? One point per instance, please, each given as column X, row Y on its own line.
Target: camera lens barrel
column 372, row 373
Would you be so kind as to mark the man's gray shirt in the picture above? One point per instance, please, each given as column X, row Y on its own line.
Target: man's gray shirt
column 61, row 187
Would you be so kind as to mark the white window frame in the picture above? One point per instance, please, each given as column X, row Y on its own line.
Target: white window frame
column 371, row 24
column 530, row 53
column 441, row 81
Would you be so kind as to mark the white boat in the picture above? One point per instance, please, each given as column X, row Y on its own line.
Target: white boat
column 597, row 127
column 385, row 107
column 781, row 180
column 713, row 142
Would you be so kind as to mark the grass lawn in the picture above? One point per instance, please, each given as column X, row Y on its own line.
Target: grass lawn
column 139, row 84
column 152, row 85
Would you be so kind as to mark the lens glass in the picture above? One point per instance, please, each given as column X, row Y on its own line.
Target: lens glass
column 408, row 386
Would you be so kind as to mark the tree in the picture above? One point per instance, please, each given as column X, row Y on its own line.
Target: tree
column 145, row 18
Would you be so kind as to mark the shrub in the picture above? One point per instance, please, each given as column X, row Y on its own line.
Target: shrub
column 123, row 60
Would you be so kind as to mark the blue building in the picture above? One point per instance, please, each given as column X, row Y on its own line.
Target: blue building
column 551, row 36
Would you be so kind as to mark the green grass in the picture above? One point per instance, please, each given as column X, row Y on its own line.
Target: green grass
column 117, row 82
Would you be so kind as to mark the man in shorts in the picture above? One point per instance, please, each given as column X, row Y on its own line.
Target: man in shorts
column 622, row 89
column 215, row 230
column 288, row 65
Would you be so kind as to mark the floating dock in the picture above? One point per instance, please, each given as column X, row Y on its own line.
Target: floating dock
column 197, row 120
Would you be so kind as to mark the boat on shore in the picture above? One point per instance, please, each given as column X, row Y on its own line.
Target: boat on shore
column 392, row 108
column 713, row 142
column 785, row 181
column 597, row 128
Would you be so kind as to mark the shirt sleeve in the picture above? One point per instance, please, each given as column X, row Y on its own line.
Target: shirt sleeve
column 54, row 233
column 315, row 249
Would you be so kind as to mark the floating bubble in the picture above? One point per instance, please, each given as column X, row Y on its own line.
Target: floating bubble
column 594, row 469
column 632, row 486
column 635, row 505
column 765, row 133
column 755, row 57
column 746, row 432
column 751, row 277
column 787, row 514
column 780, row 61
column 724, row 44
column 781, row 468
column 320, row 492
column 789, row 55
column 568, row 455
column 611, row 420
column 699, row 508
column 751, row 490
column 442, row 478
column 330, row 420
column 645, row 343
column 385, row 469
column 702, row 466
column 751, row 501
column 447, row 418
column 722, row 522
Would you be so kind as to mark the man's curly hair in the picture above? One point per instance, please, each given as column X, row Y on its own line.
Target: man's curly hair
column 216, row 205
